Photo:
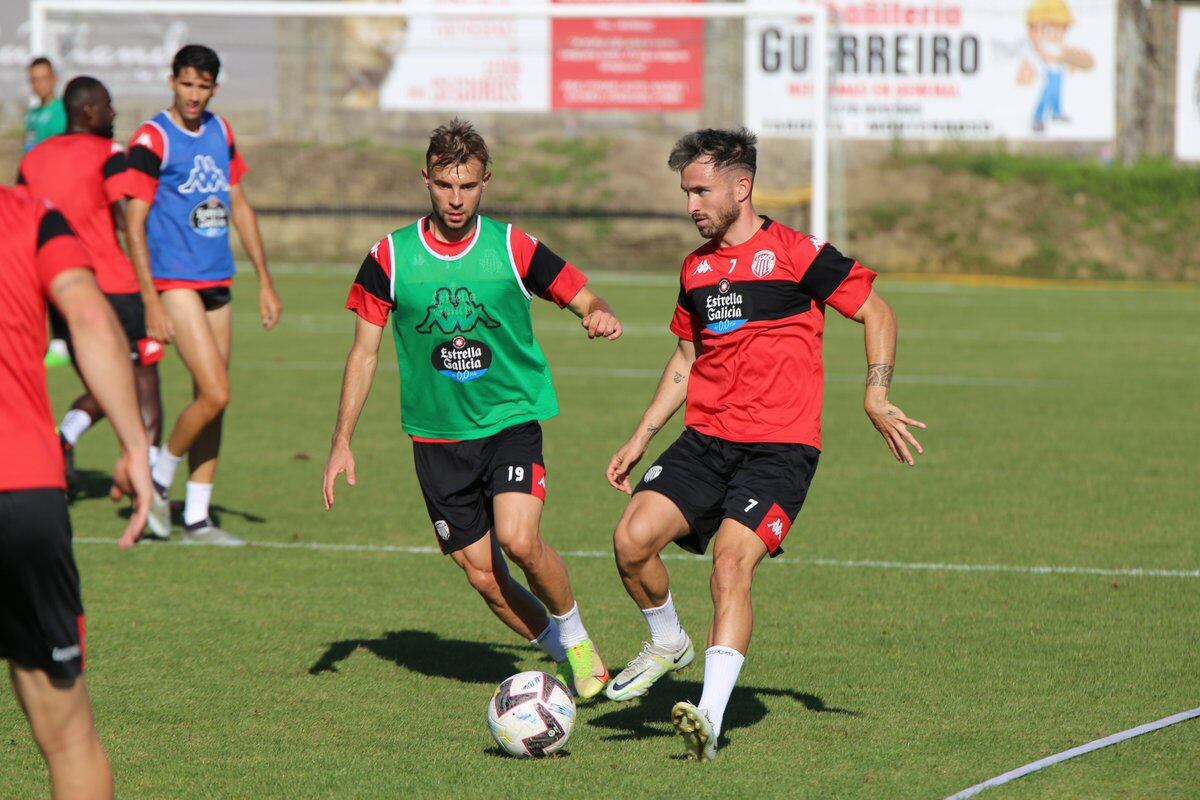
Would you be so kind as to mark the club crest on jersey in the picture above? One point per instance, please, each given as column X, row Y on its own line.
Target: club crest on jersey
column 763, row 263
column 206, row 177
column 209, row 218
column 724, row 310
column 455, row 311
column 462, row 359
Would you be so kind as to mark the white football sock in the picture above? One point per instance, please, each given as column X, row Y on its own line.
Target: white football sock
column 73, row 425
column 547, row 641
column 163, row 472
column 570, row 627
column 665, row 630
column 195, row 503
column 721, row 668
column 153, row 455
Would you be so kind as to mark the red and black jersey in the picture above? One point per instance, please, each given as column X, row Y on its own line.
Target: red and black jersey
column 36, row 244
column 543, row 273
column 756, row 313
column 83, row 175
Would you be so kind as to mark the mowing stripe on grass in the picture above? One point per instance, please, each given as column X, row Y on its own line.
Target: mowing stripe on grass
column 1114, row 572
column 1058, row 758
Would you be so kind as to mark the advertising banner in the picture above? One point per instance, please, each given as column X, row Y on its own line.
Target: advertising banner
column 976, row 69
column 1187, row 86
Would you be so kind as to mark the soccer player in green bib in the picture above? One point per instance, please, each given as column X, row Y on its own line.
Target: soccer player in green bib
column 475, row 383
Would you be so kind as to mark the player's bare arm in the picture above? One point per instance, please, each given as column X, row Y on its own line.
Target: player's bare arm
column 356, row 385
column 158, row 324
column 596, row 315
column 103, row 357
column 879, row 333
column 246, row 221
column 668, row 397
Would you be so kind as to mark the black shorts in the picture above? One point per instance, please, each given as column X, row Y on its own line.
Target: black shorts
column 459, row 480
column 131, row 313
column 215, row 297
column 760, row 485
column 41, row 614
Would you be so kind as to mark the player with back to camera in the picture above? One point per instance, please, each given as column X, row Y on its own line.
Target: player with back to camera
column 185, row 187
column 42, row 631
column 750, row 318
column 82, row 172
column 474, row 386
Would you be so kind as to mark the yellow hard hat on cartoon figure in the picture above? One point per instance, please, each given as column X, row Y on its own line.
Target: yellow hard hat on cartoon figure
column 1048, row 12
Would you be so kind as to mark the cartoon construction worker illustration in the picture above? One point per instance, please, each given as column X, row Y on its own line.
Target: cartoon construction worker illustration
column 1048, row 22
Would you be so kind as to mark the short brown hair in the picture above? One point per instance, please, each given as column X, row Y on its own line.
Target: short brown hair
column 454, row 143
column 726, row 148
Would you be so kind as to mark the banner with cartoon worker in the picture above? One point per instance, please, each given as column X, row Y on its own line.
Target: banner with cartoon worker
column 1048, row 22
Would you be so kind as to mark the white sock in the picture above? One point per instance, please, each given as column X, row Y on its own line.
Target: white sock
column 570, row 627
column 547, row 641
column 721, row 668
column 195, row 503
column 153, row 455
column 163, row 472
column 74, row 423
column 665, row 630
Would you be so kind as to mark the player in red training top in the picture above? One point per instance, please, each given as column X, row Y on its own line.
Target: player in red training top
column 750, row 320
column 41, row 615
column 82, row 172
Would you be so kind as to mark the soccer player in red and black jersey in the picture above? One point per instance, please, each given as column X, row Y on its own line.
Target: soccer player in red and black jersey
column 82, row 172
column 750, row 319
column 41, row 615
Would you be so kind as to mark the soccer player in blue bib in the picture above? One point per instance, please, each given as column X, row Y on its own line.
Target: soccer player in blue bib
column 185, row 174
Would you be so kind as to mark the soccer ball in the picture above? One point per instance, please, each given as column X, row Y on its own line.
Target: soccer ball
column 531, row 715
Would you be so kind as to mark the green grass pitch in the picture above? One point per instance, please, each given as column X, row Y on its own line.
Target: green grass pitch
column 1063, row 425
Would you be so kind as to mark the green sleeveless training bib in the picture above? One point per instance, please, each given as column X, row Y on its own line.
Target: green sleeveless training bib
column 469, row 365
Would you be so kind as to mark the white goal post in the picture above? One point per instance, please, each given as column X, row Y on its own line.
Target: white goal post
column 816, row 11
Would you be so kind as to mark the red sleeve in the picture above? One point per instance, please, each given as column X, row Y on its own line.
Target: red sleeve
column 682, row 324
column 237, row 166
column 57, row 248
column 853, row 291
column 147, row 149
column 542, row 272
column 371, row 295
column 114, row 174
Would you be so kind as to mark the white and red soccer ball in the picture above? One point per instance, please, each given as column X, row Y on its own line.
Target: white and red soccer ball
column 531, row 715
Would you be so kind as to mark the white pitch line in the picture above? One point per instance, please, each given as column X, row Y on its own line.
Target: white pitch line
column 1113, row 572
column 1058, row 758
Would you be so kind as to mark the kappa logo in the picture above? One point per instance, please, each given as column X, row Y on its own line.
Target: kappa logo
column 206, row 177
column 144, row 140
column 443, row 529
column 61, row 654
column 817, row 242
column 652, row 473
column 776, row 527
column 702, row 268
column 763, row 263
column 455, row 312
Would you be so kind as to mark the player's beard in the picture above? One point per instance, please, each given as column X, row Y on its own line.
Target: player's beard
column 445, row 224
column 714, row 228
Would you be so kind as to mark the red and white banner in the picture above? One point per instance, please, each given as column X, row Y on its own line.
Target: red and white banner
column 627, row 63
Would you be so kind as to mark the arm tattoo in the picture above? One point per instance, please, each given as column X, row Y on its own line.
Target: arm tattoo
column 879, row 375
column 653, row 429
column 678, row 377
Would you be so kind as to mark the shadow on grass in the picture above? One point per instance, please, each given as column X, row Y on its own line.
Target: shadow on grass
column 92, row 484
column 428, row 654
column 651, row 715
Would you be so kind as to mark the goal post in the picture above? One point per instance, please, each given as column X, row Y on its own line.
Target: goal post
column 816, row 14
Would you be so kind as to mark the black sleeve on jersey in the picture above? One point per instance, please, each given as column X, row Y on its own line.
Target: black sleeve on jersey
column 826, row 273
column 115, row 164
column 374, row 280
column 21, row 178
column 144, row 160
column 543, row 269
column 53, row 224
column 232, row 151
column 684, row 301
